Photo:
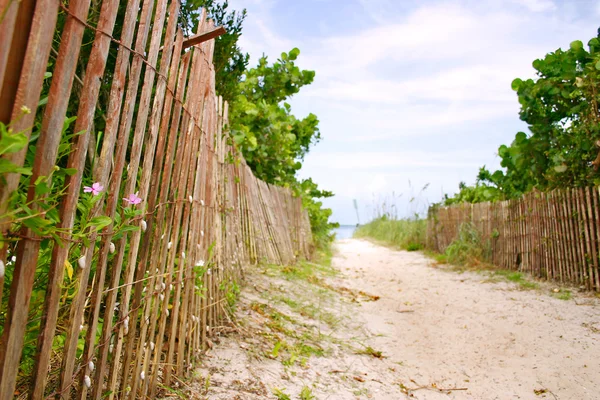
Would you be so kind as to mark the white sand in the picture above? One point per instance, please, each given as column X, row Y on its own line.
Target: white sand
column 438, row 329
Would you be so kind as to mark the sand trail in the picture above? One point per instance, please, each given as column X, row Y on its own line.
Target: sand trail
column 441, row 335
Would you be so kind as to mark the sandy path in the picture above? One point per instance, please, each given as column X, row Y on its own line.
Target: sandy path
column 437, row 329
column 452, row 330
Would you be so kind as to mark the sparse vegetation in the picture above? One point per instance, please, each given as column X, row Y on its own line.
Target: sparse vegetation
column 517, row 277
column 563, row 294
column 306, row 394
column 369, row 351
column 406, row 234
column 280, row 394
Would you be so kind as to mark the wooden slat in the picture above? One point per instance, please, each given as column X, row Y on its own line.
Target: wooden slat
column 203, row 37
column 85, row 114
column 164, row 227
column 591, row 238
column 28, row 82
column 45, row 160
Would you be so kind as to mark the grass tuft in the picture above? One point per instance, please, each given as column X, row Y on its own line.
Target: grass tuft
column 280, row 394
column 516, row 277
column 369, row 351
column 564, row 294
column 306, row 394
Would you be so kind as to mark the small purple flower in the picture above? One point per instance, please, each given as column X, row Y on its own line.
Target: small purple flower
column 95, row 189
column 133, row 199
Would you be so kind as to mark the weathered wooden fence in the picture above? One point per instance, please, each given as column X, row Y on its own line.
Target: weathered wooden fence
column 554, row 235
column 130, row 306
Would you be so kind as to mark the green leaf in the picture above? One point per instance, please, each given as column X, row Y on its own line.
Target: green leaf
column 515, row 84
column 12, row 142
column 598, row 65
column 294, row 53
column 69, row 269
column 100, row 222
column 42, row 188
column 520, row 137
column 36, row 223
column 8, row 167
column 576, row 45
column 70, row 171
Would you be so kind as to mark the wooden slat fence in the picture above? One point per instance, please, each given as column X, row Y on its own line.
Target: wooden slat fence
column 148, row 290
column 553, row 235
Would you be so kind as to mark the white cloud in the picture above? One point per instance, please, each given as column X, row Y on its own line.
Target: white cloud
column 537, row 5
column 389, row 85
column 361, row 160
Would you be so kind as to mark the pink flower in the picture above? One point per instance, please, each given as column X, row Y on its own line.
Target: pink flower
column 133, row 199
column 95, row 189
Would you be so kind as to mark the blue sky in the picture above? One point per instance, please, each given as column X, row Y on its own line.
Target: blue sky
column 410, row 93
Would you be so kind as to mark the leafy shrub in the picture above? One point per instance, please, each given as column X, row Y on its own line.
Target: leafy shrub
column 561, row 147
column 469, row 249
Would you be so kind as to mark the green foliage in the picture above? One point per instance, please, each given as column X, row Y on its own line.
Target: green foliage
column 519, row 278
column 474, row 194
column 38, row 212
column 561, row 109
column 369, row 351
column 306, row 394
column 272, row 140
column 280, row 394
column 407, row 234
column 563, row 294
column 319, row 217
column 469, row 248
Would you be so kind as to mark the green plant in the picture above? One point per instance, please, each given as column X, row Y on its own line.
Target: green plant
column 517, row 277
column 469, row 248
column 273, row 141
column 563, row 294
column 414, row 247
column 280, row 394
column 369, row 351
column 306, row 394
column 562, row 147
column 37, row 211
column 408, row 234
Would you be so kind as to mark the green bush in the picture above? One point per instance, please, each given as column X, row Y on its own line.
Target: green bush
column 469, row 249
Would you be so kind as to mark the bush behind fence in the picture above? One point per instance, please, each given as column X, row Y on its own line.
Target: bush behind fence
column 130, row 302
column 554, row 235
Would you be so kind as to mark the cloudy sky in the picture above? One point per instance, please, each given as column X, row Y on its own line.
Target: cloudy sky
column 410, row 92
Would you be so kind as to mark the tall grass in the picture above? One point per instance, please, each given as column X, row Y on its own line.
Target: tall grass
column 407, row 234
column 469, row 248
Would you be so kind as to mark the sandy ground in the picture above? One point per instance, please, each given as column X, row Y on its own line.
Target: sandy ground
column 441, row 334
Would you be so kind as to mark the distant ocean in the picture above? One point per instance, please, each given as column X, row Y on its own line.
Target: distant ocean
column 344, row 231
